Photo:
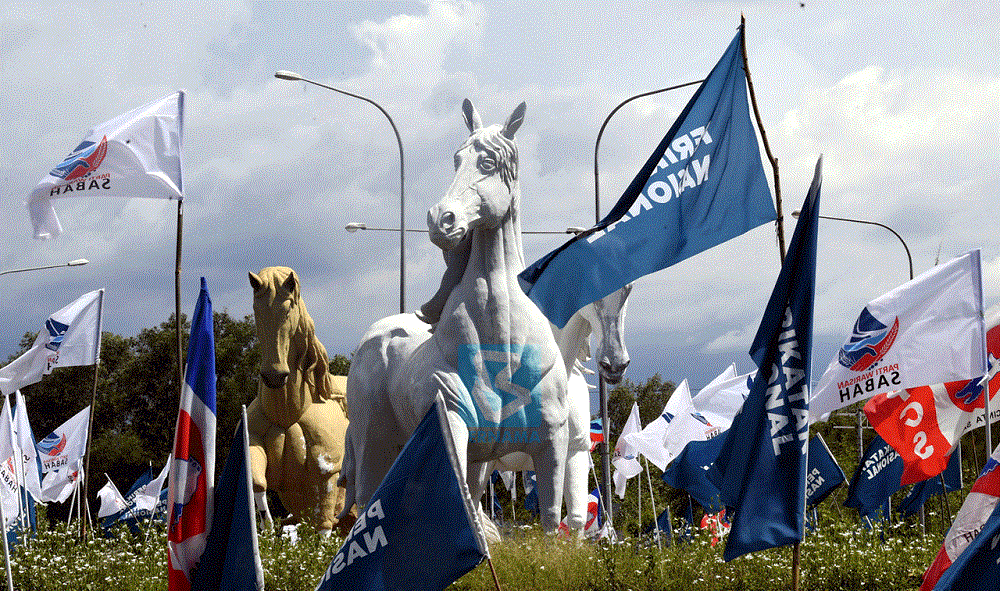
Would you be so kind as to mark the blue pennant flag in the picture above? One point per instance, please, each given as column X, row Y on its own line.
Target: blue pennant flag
column 922, row 491
column 703, row 185
column 418, row 532
column 761, row 469
column 689, row 472
column 977, row 568
column 824, row 475
column 877, row 477
column 231, row 559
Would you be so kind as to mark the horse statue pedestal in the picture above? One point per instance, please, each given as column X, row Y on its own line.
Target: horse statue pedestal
column 298, row 420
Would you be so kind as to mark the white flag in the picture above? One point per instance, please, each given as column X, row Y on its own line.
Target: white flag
column 137, row 154
column 26, row 441
column 719, row 402
column 61, row 452
column 927, row 331
column 626, row 458
column 650, row 441
column 687, row 424
column 9, row 487
column 71, row 336
column 148, row 496
column 111, row 500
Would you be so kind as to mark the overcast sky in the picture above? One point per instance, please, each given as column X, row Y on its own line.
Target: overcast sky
column 901, row 98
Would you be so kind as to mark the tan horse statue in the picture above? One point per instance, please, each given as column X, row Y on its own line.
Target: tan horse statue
column 298, row 419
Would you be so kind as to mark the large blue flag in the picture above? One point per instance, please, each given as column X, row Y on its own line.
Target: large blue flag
column 977, row 568
column 418, row 532
column 761, row 470
column 689, row 472
column 824, row 474
column 231, row 559
column 876, row 478
column 922, row 491
column 703, row 185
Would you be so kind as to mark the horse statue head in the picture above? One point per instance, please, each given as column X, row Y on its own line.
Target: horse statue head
column 606, row 317
column 287, row 335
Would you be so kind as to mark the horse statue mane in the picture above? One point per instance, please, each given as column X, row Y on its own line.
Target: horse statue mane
column 298, row 419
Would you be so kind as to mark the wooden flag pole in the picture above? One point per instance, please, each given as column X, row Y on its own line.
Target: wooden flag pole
column 767, row 147
column 177, row 301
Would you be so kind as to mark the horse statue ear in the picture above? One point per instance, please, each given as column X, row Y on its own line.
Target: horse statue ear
column 514, row 121
column 472, row 119
column 291, row 284
column 255, row 281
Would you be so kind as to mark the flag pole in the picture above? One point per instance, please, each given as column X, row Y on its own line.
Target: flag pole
column 93, row 402
column 177, row 300
column 6, row 551
column 652, row 502
column 767, row 147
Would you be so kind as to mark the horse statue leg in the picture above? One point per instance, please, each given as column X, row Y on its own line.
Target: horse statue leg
column 578, row 456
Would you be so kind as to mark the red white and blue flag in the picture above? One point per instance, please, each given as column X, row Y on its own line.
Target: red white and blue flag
column 192, row 469
column 596, row 433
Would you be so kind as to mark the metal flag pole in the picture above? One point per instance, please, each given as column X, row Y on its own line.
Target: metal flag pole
column 652, row 502
column 93, row 401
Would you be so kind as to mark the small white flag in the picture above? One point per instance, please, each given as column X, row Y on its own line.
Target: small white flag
column 929, row 330
column 26, row 441
column 626, row 457
column 111, row 500
column 70, row 337
column 137, row 154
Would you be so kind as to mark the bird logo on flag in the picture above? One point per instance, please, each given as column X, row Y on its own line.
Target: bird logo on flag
column 84, row 159
column 870, row 342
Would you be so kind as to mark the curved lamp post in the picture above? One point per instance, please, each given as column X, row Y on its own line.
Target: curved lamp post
column 795, row 214
column 286, row 75
column 355, row 226
column 75, row 263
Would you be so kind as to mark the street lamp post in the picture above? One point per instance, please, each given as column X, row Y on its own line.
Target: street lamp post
column 286, row 75
column 74, row 263
column 909, row 259
column 355, row 226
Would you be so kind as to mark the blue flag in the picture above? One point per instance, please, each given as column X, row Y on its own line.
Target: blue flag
column 922, row 491
column 824, row 474
column 109, row 521
column 876, row 478
column 761, row 469
column 703, row 185
column 977, row 568
column 689, row 472
column 418, row 531
column 231, row 559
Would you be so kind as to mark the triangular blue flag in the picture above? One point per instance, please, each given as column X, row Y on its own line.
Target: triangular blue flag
column 231, row 559
column 689, row 472
column 824, row 475
column 418, row 532
column 703, row 185
column 923, row 490
column 875, row 479
column 761, row 469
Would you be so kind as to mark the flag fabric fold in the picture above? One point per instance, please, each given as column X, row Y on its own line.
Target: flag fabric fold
column 137, row 154
column 929, row 330
column 419, row 531
column 761, row 469
column 31, row 464
column 70, row 337
column 719, row 402
column 824, row 475
column 231, row 559
column 626, row 457
column 703, row 185
column 922, row 491
column 975, row 523
column 9, row 466
column 924, row 424
column 112, row 501
column 665, row 436
column 192, row 469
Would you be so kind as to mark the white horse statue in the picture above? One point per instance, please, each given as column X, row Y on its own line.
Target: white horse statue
column 297, row 422
column 604, row 318
column 503, row 380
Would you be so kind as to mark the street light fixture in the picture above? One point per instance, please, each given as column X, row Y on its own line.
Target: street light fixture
column 286, row 75
column 795, row 214
column 74, row 263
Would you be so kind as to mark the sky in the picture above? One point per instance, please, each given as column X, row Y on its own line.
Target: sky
column 900, row 98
